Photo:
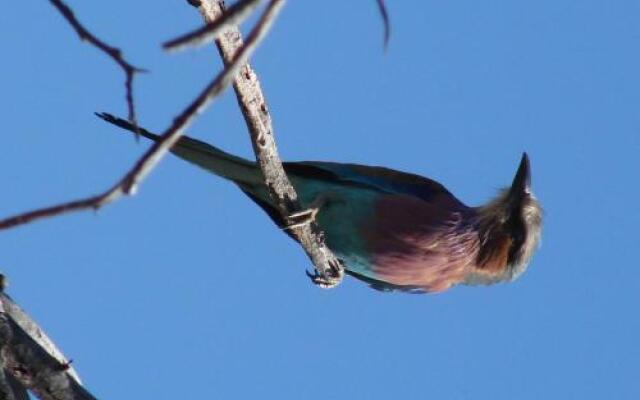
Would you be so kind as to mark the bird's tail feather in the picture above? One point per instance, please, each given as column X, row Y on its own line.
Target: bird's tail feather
column 237, row 169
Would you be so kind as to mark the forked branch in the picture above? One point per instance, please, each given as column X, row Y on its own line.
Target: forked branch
column 128, row 184
column 113, row 52
column 235, row 14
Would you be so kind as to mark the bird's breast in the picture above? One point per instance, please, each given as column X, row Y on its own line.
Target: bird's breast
column 396, row 239
column 420, row 244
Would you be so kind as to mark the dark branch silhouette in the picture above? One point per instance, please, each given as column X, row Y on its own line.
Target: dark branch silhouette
column 385, row 20
column 233, row 15
column 237, row 13
column 128, row 184
column 113, row 52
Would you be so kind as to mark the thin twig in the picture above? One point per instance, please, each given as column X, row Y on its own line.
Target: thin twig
column 90, row 202
column 128, row 184
column 329, row 270
column 385, row 20
column 234, row 15
column 113, row 52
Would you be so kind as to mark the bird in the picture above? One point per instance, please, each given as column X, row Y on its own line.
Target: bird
column 394, row 230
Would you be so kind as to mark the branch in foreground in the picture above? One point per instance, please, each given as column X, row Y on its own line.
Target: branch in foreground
column 113, row 52
column 30, row 360
column 128, row 184
column 233, row 15
column 329, row 270
column 385, row 20
column 237, row 13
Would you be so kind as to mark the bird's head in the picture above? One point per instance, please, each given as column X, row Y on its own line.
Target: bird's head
column 509, row 228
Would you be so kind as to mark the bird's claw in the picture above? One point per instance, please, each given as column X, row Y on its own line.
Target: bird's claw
column 330, row 278
column 322, row 282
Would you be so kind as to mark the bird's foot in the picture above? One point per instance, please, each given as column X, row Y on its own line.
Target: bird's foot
column 301, row 218
column 307, row 216
column 330, row 278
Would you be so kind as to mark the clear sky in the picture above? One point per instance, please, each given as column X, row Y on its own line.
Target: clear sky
column 188, row 291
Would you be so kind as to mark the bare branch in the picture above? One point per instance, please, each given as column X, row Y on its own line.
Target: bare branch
column 9, row 389
column 237, row 13
column 91, row 202
column 31, row 361
column 234, row 15
column 113, row 52
column 28, row 325
column 128, row 184
column 219, row 83
column 385, row 20
column 329, row 270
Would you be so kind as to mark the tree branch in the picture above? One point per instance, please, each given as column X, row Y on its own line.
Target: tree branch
column 30, row 360
column 382, row 8
column 233, row 15
column 128, row 184
column 113, row 52
column 329, row 270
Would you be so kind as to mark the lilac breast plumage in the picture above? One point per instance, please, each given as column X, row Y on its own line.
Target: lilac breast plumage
column 419, row 244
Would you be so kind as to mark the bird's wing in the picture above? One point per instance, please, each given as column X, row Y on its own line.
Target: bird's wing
column 379, row 178
column 241, row 170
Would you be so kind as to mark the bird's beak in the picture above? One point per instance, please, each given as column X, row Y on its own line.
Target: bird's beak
column 522, row 182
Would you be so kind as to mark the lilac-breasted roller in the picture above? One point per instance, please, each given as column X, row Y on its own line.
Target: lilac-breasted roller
column 394, row 230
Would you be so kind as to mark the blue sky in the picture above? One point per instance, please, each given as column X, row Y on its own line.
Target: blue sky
column 188, row 291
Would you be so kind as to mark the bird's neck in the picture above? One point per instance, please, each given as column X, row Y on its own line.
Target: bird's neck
column 508, row 235
column 492, row 223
